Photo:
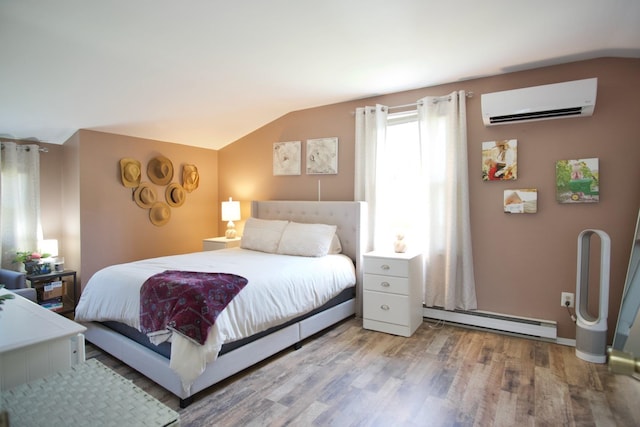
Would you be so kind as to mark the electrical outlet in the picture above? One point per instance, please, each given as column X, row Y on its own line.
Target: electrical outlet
column 567, row 297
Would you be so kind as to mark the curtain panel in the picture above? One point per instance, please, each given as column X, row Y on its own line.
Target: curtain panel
column 448, row 254
column 370, row 140
column 20, row 227
column 432, row 201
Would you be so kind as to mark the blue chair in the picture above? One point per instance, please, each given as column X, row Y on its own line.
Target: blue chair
column 17, row 282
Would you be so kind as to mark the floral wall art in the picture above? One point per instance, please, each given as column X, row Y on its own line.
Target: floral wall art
column 322, row 156
column 286, row 158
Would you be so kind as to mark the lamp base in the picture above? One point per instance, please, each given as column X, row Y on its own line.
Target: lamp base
column 230, row 233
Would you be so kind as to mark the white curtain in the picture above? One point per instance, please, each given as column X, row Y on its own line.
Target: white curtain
column 371, row 131
column 20, row 228
column 448, row 257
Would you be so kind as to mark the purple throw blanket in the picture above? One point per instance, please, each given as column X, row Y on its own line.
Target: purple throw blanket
column 187, row 302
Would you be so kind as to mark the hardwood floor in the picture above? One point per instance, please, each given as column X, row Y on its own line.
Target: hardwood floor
column 441, row 376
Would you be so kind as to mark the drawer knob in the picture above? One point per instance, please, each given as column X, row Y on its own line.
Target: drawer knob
column 385, row 267
column 385, row 284
column 384, row 307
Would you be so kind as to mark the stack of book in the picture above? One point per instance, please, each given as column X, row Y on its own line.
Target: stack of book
column 54, row 304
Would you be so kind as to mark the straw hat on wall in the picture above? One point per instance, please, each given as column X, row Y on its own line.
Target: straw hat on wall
column 145, row 195
column 160, row 213
column 160, row 170
column 130, row 172
column 190, row 178
column 175, row 195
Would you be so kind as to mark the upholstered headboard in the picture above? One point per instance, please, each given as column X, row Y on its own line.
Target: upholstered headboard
column 349, row 217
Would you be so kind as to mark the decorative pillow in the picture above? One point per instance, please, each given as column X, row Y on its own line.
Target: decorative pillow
column 336, row 246
column 306, row 239
column 262, row 234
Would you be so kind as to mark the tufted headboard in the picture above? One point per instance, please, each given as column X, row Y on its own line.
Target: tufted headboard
column 349, row 217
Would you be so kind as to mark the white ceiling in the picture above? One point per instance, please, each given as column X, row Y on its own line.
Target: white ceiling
column 207, row 72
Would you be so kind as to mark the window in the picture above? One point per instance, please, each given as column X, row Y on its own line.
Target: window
column 20, row 227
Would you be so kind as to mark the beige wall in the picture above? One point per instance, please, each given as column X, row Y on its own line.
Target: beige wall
column 522, row 262
column 100, row 224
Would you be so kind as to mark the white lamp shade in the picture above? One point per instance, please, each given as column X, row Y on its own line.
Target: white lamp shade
column 49, row 246
column 230, row 210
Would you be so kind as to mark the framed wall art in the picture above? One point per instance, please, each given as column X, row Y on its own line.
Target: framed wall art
column 287, row 158
column 500, row 160
column 322, row 156
column 523, row 200
column 577, row 181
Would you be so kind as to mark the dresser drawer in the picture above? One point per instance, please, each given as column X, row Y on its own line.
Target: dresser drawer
column 388, row 308
column 386, row 266
column 391, row 284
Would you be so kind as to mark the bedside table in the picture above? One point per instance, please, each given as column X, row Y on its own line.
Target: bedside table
column 215, row 243
column 56, row 291
column 392, row 300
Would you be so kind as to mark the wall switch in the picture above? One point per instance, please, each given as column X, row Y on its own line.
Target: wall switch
column 567, row 297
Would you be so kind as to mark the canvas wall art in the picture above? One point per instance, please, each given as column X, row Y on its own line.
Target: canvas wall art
column 500, row 160
column 287, row 158
column 521, row 201
column 577, row 181
column 322, row 156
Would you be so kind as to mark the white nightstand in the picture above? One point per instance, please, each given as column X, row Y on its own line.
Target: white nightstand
column 215, row 243
column 392, row 292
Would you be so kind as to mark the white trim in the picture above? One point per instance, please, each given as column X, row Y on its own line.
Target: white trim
column 566, row 341
column 499, row 322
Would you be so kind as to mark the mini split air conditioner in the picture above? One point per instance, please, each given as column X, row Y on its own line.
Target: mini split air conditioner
column 555, row 101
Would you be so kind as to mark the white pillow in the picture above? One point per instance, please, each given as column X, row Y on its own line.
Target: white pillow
column 336, row 246
column 262, row 234
column 306, row 239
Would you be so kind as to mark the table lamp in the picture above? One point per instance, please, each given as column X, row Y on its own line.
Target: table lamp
column 230, row 212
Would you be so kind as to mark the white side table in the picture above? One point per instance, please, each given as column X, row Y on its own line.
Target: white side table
column 35, row 342
column 215, row 243
column 392, row 300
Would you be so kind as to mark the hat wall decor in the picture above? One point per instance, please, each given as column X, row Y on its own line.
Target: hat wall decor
column 174, row 194
column 159, row 214
column 160, row 170
column 130, row 172
column 190, row 178
column 145, row 195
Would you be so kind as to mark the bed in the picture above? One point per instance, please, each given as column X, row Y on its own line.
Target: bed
column 118, row 338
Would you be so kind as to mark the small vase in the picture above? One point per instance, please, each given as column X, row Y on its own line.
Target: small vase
column 399, row 246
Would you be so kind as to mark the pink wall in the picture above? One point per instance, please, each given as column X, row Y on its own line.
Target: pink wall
column 522, row 262
column 101, row 223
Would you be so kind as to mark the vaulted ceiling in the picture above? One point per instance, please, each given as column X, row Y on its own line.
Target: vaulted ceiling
column 207, row 72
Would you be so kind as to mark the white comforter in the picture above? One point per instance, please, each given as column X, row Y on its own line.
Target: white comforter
column 280, row 288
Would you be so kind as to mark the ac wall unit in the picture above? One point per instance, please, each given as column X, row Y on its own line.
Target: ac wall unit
column 555, row 101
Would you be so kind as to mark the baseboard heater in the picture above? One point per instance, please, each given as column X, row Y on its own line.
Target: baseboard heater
column 497, row 322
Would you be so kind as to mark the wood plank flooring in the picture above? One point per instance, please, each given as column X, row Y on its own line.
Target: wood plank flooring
column 441, row 376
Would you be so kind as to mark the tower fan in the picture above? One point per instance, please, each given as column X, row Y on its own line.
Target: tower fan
column 591, row 330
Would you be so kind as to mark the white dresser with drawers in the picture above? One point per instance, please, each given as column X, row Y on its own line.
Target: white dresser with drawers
column 392, row 292
column 35, row 342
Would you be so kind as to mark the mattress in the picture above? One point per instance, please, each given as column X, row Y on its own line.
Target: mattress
column 281, row 288
column 164, row 348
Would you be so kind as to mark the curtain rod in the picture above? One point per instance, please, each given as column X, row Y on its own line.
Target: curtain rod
column 436, row 100
column 40, row 149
